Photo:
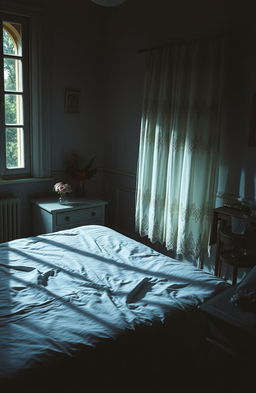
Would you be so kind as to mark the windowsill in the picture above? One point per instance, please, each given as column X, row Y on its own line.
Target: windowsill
column 4, row 182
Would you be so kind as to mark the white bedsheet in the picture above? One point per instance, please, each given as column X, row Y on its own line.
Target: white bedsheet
column 66, row 289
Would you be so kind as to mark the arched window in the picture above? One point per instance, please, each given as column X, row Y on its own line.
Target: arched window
column 12, row 44
column 24, row 142
column 15, row 117
column 13, row 96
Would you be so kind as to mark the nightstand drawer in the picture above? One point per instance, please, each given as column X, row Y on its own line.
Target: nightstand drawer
column 78, row 216
column 50, row 216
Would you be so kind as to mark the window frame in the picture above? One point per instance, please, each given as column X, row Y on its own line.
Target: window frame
column 40, row 153
column 26, row 170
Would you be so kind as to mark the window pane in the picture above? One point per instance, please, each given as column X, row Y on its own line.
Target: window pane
column 13, row 109
column 14, row 138
column 9, row 44
column 13, row 74
column 12, row 38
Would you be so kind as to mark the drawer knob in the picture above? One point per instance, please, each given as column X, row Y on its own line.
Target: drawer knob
column 67, row 218
column 93, row 214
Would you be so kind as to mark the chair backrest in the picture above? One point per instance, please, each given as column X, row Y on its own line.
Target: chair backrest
column 239, row 225
column 239, row 244
column 231, row 242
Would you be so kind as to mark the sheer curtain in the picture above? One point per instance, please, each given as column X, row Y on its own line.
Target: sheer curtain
column 178, row 152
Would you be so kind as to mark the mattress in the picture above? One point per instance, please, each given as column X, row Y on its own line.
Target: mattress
column 66, row 292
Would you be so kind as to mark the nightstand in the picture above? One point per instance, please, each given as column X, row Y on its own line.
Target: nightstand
column 222, row 222
column 50, row 216
column 227, row 356
column 230, row 334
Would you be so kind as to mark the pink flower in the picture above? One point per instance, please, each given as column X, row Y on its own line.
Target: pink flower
column 62, row 188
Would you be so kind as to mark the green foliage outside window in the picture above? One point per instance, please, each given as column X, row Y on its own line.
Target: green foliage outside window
column 10, row 81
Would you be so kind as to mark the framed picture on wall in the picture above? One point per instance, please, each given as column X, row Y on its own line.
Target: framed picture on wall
column 72, row 101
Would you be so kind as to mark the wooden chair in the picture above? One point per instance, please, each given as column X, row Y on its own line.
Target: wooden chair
column 235, row 250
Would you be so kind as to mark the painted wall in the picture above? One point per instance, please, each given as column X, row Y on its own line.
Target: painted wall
column 72, row 58
column 144, row 24
column 140, row 25
column 97, row 50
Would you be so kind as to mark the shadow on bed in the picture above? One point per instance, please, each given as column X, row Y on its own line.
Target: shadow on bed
column 82, row 347
column 124, row 266
column 174, row 362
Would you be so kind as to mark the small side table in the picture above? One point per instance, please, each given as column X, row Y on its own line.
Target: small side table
column 223, row 216
column 228, row 329
column 50, row 216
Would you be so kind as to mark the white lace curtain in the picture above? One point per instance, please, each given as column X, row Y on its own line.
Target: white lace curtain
column 178, row 153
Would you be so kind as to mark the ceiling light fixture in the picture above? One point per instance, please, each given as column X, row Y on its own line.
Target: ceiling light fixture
column 108, row 3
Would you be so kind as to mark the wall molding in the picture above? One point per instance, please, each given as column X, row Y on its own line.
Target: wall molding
column 118, row 196
column 234, row 198
column 228, row 196
column 119, row 172
column 119, row 191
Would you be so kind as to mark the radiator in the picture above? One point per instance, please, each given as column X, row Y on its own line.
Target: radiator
column 9, row 219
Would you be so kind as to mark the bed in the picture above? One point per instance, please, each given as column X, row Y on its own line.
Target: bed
column 88, row 297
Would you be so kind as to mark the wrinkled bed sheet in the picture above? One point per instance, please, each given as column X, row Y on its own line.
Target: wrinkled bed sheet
column 74, row 288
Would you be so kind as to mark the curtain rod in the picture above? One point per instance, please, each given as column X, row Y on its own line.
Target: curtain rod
column 182, row 41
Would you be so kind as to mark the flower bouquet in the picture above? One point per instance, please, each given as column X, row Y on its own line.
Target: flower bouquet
column 62, row 189
column 79, row 173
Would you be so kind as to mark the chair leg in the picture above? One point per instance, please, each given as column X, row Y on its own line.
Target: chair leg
column 218, row 274
column 234, row 278
column 217, row 260
column 216, row 269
